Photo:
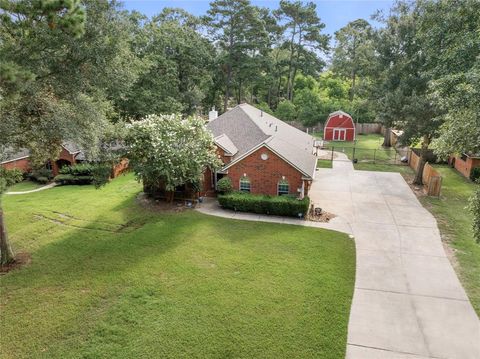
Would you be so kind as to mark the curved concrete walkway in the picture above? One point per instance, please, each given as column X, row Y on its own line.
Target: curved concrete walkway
column 50, row 185
column 408, row 302
column 210, row 206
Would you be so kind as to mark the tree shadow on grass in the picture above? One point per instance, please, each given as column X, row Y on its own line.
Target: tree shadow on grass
column 90, row 249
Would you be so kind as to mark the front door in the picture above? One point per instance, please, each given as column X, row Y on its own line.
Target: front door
column 339, row 134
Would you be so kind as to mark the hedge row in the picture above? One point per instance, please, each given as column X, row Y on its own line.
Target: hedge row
column 261, row 204
column 82, row 169
column 73, row 180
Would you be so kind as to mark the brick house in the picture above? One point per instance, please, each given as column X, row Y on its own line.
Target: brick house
column 260, row 153
column 70, row 154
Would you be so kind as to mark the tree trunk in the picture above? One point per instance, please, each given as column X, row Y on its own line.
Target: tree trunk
column 290, row 61
column 239, row 101
column 292, row 85
column 352, row 90
column 6, row 252
column 418, row 180
column 227, row 87
column 354, row 69
column 387, row 137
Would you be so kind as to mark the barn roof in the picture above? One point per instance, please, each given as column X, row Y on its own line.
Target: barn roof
column 339, row 112
column 248, row 128
column 345, row 120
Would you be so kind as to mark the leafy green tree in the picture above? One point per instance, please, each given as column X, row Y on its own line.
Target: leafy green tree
column 404, row 91
column 22, row 23
column 177, row 67
column 286, row 111
column 353, row 52
column 309, row 106
column 166, row 151
column 450, row 32
column 238, row 30
column 303, row 38
column 474, row 207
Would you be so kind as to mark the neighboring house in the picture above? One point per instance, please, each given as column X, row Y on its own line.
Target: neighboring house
column 261, row 154
column 339, row 127
column 70, row 154
column 465, row 163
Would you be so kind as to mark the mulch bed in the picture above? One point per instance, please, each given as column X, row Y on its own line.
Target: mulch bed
column 323, row 217
column 159, row 205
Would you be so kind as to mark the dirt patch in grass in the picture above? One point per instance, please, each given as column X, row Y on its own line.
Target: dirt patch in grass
column 21, row 259
column 157, row 205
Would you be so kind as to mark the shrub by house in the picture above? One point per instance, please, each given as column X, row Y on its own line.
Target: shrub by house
column 264, row 204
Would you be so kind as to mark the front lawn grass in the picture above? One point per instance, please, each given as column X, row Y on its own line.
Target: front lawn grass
column 368, row 149
column 26, row 185
column 324, row 164
column 455, row 222
column 111, row 279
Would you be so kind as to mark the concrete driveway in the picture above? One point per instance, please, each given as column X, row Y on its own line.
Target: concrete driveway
column 408, row 301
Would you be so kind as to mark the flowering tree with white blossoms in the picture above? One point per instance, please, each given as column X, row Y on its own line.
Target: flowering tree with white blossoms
column 166, row 151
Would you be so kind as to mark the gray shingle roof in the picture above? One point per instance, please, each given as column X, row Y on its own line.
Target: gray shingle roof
column 248, row 128
column 226, row 143
column 10, row 154
column 239, row 128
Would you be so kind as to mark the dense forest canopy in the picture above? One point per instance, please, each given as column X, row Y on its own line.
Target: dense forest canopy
column 71, row 68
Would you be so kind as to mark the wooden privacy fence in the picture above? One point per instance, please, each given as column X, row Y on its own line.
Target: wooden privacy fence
column 430, row 177
column 368, row 128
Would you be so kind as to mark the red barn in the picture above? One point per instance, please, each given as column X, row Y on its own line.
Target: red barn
column 339, row 127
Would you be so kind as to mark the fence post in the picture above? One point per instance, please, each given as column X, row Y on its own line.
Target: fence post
column 353, row 154
column 374, row 155
column 395, row 158
column 332, row 153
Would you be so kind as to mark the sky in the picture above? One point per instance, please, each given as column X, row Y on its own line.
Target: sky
column 334, row 13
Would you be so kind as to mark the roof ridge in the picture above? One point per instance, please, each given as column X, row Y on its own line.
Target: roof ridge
column 253, row 121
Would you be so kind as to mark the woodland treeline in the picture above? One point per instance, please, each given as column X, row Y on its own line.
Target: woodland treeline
column 71, row 68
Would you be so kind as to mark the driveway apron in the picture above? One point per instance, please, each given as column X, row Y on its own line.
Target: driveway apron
column 408, row 301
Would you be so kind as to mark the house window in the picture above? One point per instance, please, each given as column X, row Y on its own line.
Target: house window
column 245, row 184
column 283, row 187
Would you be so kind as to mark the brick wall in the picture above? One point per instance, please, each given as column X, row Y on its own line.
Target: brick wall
column 264, row 175
column 22, row 164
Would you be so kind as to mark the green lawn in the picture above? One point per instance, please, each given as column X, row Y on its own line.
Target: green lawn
column 111, row 279
column 324, row 164
column 370, row 154
column 368, row 148
column 455, row 223
column 25, row 186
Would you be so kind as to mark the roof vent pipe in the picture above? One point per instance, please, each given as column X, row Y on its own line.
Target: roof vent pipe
column 276, row 128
